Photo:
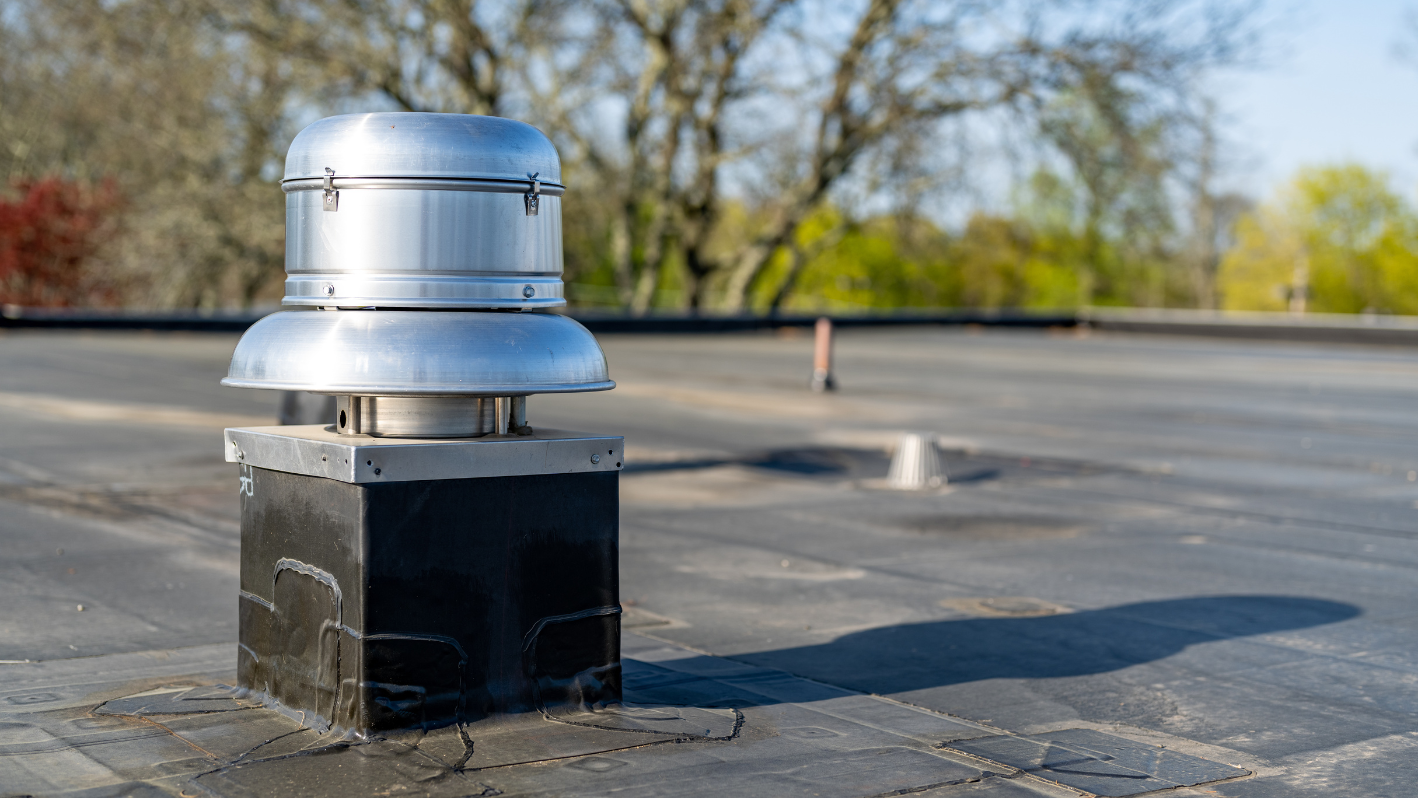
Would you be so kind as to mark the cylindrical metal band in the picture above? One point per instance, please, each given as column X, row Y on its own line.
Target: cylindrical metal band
column 436, row 184
column 422, row 291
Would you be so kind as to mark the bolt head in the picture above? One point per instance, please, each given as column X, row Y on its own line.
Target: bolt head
column 329, row 289
column 595, row 458
column 528, row 291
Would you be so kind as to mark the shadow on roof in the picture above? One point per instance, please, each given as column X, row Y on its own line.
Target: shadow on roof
column 896, row 659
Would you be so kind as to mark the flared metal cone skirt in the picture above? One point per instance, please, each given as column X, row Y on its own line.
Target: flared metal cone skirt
column 419, row 353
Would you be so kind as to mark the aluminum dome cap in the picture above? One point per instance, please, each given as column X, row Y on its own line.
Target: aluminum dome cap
column 416, row 145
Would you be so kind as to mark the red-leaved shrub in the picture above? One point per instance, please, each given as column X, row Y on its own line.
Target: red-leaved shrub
column 47, row 235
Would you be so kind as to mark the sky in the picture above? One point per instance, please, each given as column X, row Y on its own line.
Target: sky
column 1330, row 89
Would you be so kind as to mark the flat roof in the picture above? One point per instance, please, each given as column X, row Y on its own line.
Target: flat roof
column 1155, row 562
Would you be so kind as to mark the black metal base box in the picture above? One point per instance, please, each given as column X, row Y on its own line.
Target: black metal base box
column 393, row 605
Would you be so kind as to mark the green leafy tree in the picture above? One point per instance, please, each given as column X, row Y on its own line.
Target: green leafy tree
column 1337, row 239
column 842, row 265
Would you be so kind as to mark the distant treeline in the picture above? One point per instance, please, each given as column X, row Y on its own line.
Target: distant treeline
column 722, row 155
column 1335, row 239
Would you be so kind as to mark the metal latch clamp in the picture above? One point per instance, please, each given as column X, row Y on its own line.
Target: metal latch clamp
column 533, row 198
column 332, row 197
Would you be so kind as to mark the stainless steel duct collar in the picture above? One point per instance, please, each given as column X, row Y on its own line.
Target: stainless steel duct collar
column 419, row 353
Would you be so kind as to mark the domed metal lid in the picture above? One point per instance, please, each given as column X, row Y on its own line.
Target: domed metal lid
column 448, row 146
column 419, row 353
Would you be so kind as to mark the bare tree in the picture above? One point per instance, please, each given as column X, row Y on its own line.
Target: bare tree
column 901, row 70
column 422, row 55
column 1121, row 166
column 1213, row 213
column 676, row 68
column 187, row 125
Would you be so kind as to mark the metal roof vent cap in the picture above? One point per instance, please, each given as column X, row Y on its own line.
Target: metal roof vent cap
column 405, row 210
column 393, row 219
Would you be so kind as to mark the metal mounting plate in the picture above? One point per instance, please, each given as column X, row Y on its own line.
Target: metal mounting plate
column 318, row 451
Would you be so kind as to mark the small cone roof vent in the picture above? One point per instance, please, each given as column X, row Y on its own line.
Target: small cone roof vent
column 916, row 463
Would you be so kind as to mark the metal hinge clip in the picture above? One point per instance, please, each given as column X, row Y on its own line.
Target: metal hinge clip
column 332, row 197
column 533, row 198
